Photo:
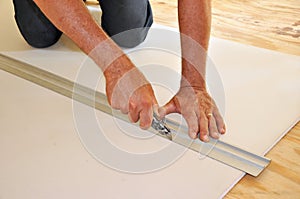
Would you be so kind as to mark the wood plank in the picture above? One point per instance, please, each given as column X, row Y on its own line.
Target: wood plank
column 262, row 23
column 281, row 179
column 269, row 25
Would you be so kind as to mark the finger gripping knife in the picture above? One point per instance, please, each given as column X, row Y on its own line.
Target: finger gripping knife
column 160, row 126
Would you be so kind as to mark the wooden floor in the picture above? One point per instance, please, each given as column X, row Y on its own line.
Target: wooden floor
column 261, row 23
column 269, row 25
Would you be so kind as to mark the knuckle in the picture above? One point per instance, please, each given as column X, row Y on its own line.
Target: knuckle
column 213, row 127
column 193, row 127
column 204, row 132
column 220, row 120
column 194, row 130
column 147, row 121
column 204, row 129
column 132, row 105
column 146, row 103
column 204, row 120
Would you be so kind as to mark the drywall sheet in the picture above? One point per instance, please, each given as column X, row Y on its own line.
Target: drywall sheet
column 41, row 152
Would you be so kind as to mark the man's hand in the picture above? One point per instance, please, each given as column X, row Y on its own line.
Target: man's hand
column 128, row 91
column 192, row 100
column 199, row 110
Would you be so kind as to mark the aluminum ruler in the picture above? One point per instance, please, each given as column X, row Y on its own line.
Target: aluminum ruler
column 223, row 152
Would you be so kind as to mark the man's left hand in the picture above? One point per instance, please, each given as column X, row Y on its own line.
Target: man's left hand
column 199, row 110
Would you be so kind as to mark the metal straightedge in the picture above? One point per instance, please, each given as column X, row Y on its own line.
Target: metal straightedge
column 216, row 149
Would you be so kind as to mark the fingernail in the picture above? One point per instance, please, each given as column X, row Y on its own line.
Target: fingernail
column 194, row 135
column 222, row 130
column 144, row 126
column 216, row 135
column 206, row 138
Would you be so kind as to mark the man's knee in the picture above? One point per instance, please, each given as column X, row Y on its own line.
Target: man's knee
column 40, row 38
column 36, row 29
column 127, row 22
column 130, row 38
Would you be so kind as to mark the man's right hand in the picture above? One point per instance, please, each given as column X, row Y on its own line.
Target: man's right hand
column 128, row 91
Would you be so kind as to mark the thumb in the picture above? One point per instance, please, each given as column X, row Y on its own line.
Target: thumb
column 168, row 108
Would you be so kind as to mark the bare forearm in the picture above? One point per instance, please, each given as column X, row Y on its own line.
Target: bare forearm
column 126, row 88
column 73, row 19
column 195, row 24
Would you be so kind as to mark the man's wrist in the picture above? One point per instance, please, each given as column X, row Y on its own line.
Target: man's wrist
column 194, row 80
column 201, row 87
column 118, row 68
column 193, row 74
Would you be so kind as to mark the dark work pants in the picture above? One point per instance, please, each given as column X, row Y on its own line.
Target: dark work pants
column 126, row 21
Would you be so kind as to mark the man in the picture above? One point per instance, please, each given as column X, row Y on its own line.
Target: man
column 42, row 22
